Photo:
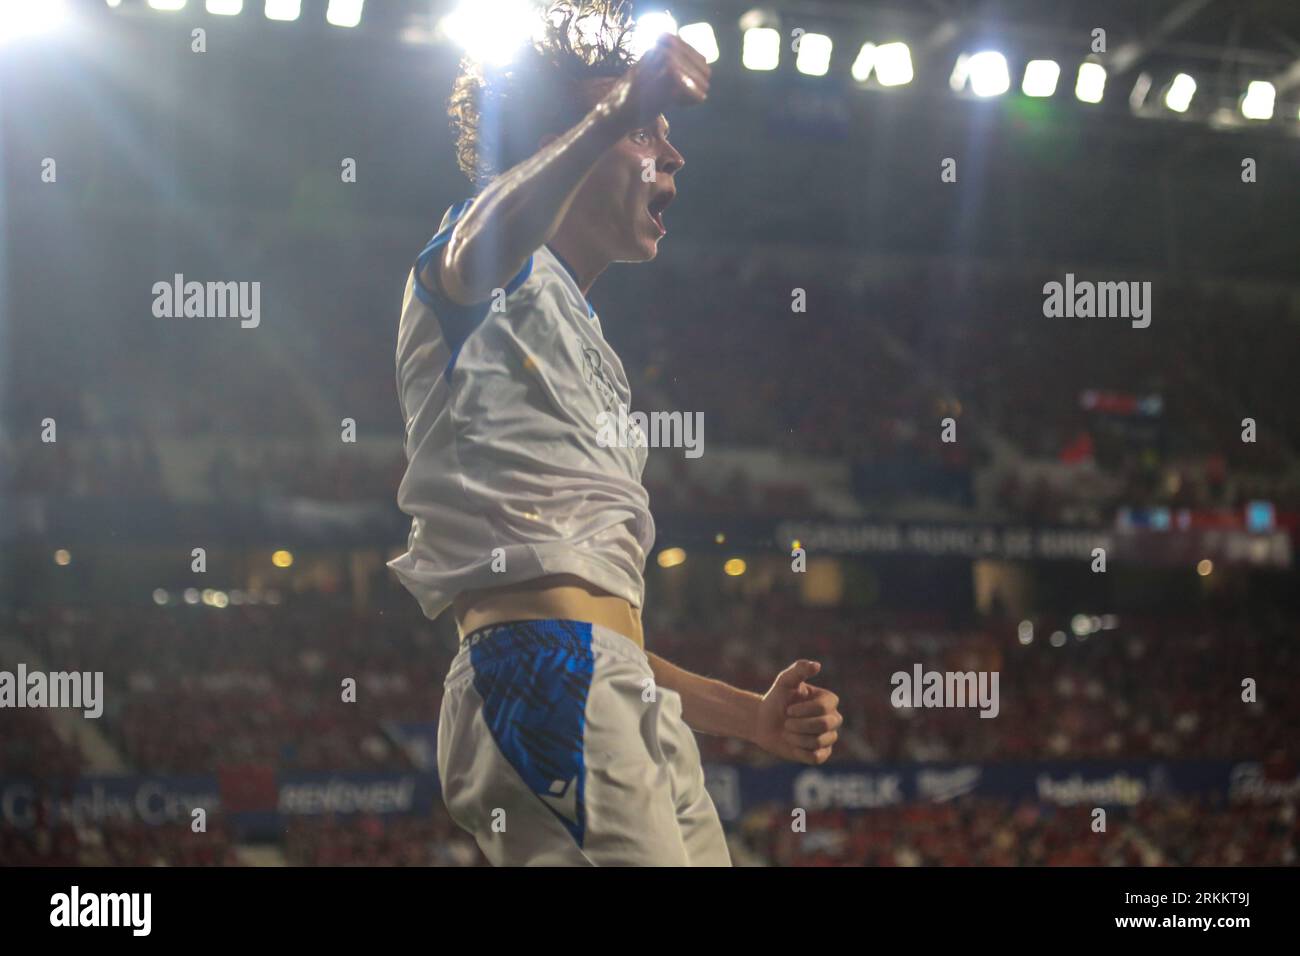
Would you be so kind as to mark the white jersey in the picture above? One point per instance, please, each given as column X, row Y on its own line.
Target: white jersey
column 506, row 479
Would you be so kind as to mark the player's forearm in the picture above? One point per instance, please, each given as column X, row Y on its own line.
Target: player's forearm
column 709, row 706
column 521, row 210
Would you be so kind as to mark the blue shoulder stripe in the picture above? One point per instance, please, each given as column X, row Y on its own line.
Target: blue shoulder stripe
column 457, row 321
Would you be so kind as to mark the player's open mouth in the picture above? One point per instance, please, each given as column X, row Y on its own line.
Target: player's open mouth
column 658, row 203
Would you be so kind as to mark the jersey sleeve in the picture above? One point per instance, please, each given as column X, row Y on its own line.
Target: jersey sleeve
column 457, row 320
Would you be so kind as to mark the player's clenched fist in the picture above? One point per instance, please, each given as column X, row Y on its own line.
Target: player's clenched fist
column 671, row 73
column 796, row 720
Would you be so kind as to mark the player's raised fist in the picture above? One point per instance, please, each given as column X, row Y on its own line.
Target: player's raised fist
column 671, row 73
column 797, row 720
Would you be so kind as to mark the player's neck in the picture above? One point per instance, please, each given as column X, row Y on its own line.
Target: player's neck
column 585, row 264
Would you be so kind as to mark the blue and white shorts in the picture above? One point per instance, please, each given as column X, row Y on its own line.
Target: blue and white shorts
column 555, row 747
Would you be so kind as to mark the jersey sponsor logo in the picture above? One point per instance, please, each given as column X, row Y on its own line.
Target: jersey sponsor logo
column 562, row 798
column 594, row 372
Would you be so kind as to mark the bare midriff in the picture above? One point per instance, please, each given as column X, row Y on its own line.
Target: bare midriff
column 558, row 596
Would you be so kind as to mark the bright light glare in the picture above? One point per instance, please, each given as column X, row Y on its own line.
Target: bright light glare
column 865, row 63
column 167, row 4
column 1180, row 93
column 343, row 13
column 814, row 57
column 988, row 73
column 225, row 8
column 734, row 567
column 649, row 28
column 700, row 36
column 671, row 557
column 1258, row 102
column 491, row 31
column 1091, row 82
column 1040, row 77
column 23, row 18
column 893, row 64
column 283, row 9
column 761, row 49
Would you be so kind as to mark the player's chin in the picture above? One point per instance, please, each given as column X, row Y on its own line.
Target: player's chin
column 641, row 250
column 644, row 245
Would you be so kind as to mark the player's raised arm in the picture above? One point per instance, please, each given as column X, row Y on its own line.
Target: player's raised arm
column 521, row 209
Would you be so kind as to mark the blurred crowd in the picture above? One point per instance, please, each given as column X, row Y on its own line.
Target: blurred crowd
column 864, row 373
column 1161, row 687
column 967, row 831
column 191, row 689
column 117, row 843
column 198, row 689
column 973, row 831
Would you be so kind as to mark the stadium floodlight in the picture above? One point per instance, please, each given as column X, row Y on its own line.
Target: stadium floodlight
column 22, row 18
column 344, row 13
column 283, row 9
column 113, row 4
column 1041, row 77
column 649, row 28
column 988, row 73
column 1090, row 83
column 761, row 49
column 700, row 36
column 225, row 8
column 167, row 5
column 1179, row 95
column 814, row 56
column 1257, row 104
column 865, row 63
column 893, row 64
column 491, row 31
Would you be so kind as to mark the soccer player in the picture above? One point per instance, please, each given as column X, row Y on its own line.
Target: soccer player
column 561, row 740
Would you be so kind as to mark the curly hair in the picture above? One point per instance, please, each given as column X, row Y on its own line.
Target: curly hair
column 498, row 114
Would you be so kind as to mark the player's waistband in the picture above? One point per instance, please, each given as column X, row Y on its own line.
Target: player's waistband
column 514, row 637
